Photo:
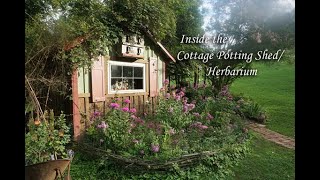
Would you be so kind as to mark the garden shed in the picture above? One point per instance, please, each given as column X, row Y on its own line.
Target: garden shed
column 133, row 69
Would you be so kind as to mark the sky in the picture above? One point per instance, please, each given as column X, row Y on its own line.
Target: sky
column 282, row 6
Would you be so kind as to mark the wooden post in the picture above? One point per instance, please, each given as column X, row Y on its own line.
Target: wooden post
column 75, row 106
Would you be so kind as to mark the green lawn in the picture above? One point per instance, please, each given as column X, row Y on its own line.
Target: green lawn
column 274, row 89
column 267, row 161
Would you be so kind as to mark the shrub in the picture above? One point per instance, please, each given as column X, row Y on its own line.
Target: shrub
column 178, row 127
column 250, row 110
column 46, row 137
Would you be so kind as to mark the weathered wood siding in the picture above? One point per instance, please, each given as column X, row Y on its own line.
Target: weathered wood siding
column 141, row 101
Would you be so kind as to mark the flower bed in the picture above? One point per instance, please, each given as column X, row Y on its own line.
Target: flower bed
column 181, row 133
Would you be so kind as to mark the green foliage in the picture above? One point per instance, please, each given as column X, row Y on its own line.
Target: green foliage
column 274, row 89
column 270, row 161
column 45, row 138
column 173, row 130
column 217, row 167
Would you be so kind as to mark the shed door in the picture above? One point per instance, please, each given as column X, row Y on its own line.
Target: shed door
column 153, row 76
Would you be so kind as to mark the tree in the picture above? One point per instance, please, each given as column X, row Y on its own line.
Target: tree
column 64, row 34
column 253, row 24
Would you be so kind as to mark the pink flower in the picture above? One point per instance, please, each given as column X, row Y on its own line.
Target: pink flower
column 196, row 114
column 166, row 81
column 114, row 105
column 155, row 148
column 125, row 109
column 139, row 121
column 178, row 98
column 127, row 101
column 103, row 125
column 133, row 116
column 185, row 109
column 191, row 106
column 167, row 95
column 133, row 110
column 203, row 127
column 181, row 93
column 209, row 116
column 162, row 89
column 95, row 115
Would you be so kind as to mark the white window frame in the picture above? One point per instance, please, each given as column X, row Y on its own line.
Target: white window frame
column 110, row 91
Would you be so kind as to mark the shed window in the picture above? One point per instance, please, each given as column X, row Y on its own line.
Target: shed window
column 126, row 77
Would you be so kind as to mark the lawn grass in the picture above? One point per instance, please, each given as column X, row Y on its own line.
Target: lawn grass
column 274, row 89
column 267, row 161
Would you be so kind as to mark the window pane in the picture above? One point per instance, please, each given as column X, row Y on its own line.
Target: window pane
column 121, row 84
column 127, row 71
column 116, row 71
column 138, row 71
column 115, row 84
column 138, row 84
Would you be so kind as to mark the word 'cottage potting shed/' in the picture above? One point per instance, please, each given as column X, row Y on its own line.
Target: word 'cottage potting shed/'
column 133, row 69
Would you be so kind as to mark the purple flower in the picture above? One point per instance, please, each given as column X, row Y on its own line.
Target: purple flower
column 170, row 110
column 139, row 121
column 114, row 105
column 133, row 110
column 103, row 125
column 209, row 116
column 166, row 81
column 181, row 93
column 127, row 101
column 167, row 95
column 155, row 148
column 125, row 109
column 185, row 109
column 196, row 114
column 203, row 127
column 178, row 98
column 191, row 106
column 96, row 113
